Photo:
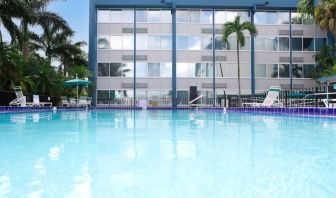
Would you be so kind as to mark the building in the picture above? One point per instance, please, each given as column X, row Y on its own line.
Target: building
column 121, row 58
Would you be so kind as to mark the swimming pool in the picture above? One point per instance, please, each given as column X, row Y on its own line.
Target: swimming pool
column 124, row 153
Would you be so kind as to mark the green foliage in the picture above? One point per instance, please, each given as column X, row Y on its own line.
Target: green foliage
column 325, row 63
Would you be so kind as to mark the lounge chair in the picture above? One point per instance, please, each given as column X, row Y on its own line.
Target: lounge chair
column 84, row 101
column 271, row 99
column 36, row 102
column 65, row 101
column 72, row 102
column 20, row 99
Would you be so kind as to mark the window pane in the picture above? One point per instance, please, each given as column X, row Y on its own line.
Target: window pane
column 141, row 42
column 191, row 70
column 166, row 42
column 166, row 70
column 296, row 18
column 307, row 70
column 245, row 70
column 166, row 16
column 182, row 16
column 103, row 16
column 308, row 21
column 209, row 72
column 247, row 43
column 116, row 42
column 200, row 70
column 154, row 16
column 194, row 43
column 260, row 43
column 128, row 42
column 297, row 71
column 319, row 43
column 182, row 69
column 308, row 44
column 206, row 43
column 260, row 70
column 128, row 70
column 220, row 17
column 103, row 69
column 220, row 45
column 153, row 42
column 272, row 44
column 141, row 16
column 232, row 43
column 232, row 70
column 283, row 17
column 116, row 69
column 297, row 44
column 271, row 17
column 206, row 17
column 153, row 69
column 230, row 16
column 283, row 44
column 194, row 16
column 103, row 42
column 182, row 42
column 128, row 16
column 103, row 93
column 244, row 16
column 260, row 18
column 116, row 16
column 284, row 71
column 272, row 71
column 141, row 69
column 220, row 70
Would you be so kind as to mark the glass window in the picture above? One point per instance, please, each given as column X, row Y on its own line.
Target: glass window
column 154, row 16
column 297, row 71
column 308, row 44
column 127, row 70
column 182, row 69
column 209, row 72
column 166, row 16
column 206, row 16
column 154, row 42
column 116, row 16
column 260, row 71
column 232, row 43
column 308, row 21
column 103, row 69
column 182, row 42
column 182, row 16
column 200, row 70
column 103, row 93
column 220, row 70
column 128, row 42
column 103, row 42
column 206, row 43
column 260, row 43
column 283, row 43
column 166, row 70
column 128, row 16
column 307, row 70
column 141, row 69
column 266, row 18
column 116, row 69
column 153, row 69
column 220, row 45
column 272, row 71
column 194, row 43
column 231, row 15
column 319, row 43
column 166, row 42
column 296, row 18
column 283, row 71
column 260, row 18
column 191, row 70
column 141, row 16
column 220, row 17
column 245, row 70
column 103, row 16
column 247, row 44
column 116, row 42
column 142, row 42
column 283, row 18
column 232, row 70
column 297, row 44
column 271, row 17
column 194, row 16
column 244, row 16
column 272, row 44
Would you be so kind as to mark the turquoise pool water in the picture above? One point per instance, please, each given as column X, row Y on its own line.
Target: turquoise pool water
column 166, row 154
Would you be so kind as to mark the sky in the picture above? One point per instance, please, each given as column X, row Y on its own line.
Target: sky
column 76, row 13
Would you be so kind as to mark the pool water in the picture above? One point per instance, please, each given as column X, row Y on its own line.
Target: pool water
column 166, row 153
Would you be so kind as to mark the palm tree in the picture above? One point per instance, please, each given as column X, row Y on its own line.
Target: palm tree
column 325, row 15
column 10, row 9
column 238, row 28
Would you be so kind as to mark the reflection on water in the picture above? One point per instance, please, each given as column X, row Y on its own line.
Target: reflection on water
column 165, row 154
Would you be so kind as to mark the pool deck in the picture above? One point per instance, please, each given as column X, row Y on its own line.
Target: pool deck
column 331, row 112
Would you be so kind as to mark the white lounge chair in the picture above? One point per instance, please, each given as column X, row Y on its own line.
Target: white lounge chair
column 36, row 102
column 73, row 102
column 65, row 101
column 20, row 99
column 271, row 99
column 84, row 101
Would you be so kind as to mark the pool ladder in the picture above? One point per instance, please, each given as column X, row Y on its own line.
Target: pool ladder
column 191, row 105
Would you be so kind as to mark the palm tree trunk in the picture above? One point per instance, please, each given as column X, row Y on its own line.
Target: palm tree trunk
column 0, row 36
column 239, row 92
column 25, row 47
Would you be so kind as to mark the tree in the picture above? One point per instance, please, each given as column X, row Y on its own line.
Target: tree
column 237, row 28
column 325, row 15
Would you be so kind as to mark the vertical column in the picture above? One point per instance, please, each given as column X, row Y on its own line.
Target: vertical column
column 290, row 53
column 253, row 87
column 93, row 50
column 174, row 99
column 213, row 58
column 134, row 59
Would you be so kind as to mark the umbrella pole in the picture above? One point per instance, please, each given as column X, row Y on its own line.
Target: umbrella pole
column 77, row 91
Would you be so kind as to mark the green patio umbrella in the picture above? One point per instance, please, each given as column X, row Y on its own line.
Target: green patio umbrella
column 77, row 82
